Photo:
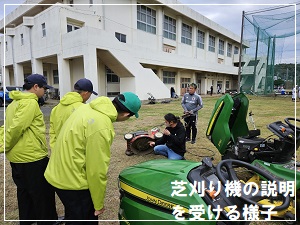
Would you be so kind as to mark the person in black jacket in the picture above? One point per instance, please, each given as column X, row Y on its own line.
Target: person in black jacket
column 172, row 144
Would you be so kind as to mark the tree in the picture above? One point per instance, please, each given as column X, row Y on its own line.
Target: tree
column 278, row 82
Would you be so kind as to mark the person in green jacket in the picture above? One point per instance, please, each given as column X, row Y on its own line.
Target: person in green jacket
column 79, row 163
column 25, row 148
column 83, row 89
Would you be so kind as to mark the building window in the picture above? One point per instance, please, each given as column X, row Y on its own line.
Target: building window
column 229, row 49
column 55, row 77
column 72, row 27
column 146, row 19
column 186, row 36
column 169, row 28
column 120, row 37
column 221, row 47
column 212, row 43
column 236, row 50
column 185, row 82
column 43, row 30
column 169, row 77
column 22, row 39
column 111, row 77
column 227, row 84
column 200, row 39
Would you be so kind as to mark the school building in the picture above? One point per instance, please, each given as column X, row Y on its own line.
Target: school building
column 140, row 46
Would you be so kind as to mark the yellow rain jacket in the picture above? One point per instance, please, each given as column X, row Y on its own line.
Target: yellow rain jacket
column 82, row 151
column 25, row 139
column 60, row 113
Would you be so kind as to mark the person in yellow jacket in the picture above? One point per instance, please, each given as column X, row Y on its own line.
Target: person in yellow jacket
column 83, row 89
column 25, row 148
column 79, row 163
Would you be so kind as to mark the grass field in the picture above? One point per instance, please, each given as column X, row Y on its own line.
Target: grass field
column 265, row 109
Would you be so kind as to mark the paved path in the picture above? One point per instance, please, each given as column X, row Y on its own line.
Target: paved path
column 46, row 109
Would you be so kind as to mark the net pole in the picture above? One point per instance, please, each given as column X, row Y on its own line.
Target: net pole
column 255, row 60
column 240, row 56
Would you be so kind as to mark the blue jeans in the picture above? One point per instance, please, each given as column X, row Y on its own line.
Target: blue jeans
column 164, row 150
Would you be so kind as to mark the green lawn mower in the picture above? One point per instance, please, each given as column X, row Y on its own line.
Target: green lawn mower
column 228, row 131
column 182, row 192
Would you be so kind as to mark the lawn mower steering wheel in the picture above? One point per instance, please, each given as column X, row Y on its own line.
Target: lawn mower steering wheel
column 287, row 120
column 229, row 163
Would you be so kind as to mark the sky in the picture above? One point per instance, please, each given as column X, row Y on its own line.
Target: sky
column 226, row 13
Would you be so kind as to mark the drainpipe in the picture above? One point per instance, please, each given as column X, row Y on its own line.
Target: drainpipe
column 103, row 12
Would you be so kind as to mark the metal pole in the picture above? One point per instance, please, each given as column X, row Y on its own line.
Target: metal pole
column 240, row 56
column 255, row 60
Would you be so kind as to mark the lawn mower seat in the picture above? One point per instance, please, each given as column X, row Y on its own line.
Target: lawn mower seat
column 228, row 121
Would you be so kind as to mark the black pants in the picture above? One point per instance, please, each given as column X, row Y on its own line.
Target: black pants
column 78, row 206
column 36, row 197
column 191, row 124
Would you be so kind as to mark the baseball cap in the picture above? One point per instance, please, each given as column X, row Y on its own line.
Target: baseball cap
column 84, row 85
column 37, row 79
column 131, row 102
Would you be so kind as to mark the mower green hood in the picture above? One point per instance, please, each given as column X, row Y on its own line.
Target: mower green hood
column 151, row 182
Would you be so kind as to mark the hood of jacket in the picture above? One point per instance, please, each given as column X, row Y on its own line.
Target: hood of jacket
column 17, row 95
column 70, row 98
column 104, row 105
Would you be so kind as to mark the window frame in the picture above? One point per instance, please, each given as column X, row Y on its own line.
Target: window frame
column 227, row 84
column 73, row 27
column 169, row 77
column 212, row 43
column 200, row 39
column 121, row 37
column 236, row 50
column 146, row 19
column 169, row 29
column 186, row 34
column 229, row 50
column 110, row 74
column 55, row 76
column 221, row 47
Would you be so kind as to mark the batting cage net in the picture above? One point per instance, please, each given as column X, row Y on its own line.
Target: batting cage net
column 269, row 47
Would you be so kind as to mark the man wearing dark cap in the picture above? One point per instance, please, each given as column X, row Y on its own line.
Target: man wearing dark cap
column 79, row 163
column 25, row 148
column 83, row 89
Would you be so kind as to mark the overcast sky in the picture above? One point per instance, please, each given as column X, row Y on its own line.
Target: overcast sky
column 226, row 13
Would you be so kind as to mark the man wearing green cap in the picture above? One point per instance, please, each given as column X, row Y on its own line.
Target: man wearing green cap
column 79, row 163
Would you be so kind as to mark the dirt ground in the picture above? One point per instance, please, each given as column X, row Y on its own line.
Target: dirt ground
column 266, row 110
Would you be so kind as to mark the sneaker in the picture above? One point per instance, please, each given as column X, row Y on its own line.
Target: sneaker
column 187, row 139
column 193, row 142
column 129, row 153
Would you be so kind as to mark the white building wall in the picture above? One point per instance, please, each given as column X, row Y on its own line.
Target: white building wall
column 99, row 24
